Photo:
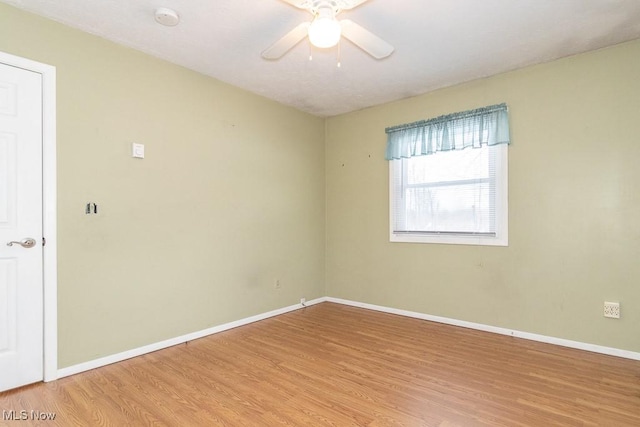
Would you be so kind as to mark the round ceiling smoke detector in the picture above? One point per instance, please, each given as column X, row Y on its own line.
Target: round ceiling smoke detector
column 166, row 16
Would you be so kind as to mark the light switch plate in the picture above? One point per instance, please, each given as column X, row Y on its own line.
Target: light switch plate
column 137, row 151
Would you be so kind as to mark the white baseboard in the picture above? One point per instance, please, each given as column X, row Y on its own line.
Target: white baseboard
column 496, row 330
column 107, row 360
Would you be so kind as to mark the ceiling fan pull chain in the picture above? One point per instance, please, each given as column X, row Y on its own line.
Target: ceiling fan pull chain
column 339, row 64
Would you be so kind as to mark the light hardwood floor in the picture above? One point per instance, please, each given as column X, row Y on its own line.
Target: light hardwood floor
column 334, row 365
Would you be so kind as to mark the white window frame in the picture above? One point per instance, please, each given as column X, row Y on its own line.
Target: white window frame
column 501, row 237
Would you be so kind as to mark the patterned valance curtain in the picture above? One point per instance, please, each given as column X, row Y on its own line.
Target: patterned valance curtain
column 473, row 128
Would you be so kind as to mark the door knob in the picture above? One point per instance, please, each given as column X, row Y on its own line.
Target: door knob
column 25, row 243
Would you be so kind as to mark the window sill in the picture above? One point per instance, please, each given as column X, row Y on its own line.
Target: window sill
column 449, row 239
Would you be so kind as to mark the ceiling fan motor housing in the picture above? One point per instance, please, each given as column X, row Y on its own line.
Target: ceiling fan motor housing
column 326, row 6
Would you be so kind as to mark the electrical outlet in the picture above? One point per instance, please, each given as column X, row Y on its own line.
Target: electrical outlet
column 276, row 284
column 303, row 300
column 612, row 309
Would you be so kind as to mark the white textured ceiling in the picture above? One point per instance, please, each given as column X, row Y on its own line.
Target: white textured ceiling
column 437, row 42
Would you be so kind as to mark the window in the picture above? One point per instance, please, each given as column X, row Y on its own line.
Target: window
column 448, row 179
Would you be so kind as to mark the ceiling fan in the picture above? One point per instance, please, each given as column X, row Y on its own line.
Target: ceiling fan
column 324, row 31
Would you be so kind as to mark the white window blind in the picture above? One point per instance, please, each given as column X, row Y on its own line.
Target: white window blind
column 447, row 192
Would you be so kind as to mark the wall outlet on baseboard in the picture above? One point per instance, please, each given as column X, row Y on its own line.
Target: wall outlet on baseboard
column 303, row 300
column 612, row 309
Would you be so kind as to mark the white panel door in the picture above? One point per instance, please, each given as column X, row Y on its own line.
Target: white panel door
column 21, row 277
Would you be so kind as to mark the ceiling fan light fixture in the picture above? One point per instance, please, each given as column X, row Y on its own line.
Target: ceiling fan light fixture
column 324, row 31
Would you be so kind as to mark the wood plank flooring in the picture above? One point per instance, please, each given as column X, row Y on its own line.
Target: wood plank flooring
column 334, row 365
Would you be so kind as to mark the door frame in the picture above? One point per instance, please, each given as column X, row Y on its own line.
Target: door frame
column 49, row 212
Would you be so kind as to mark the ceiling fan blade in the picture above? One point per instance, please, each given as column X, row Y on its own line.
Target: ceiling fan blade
column 286, row 43
column 365, row 40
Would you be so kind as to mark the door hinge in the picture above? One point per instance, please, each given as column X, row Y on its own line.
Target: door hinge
column 44, row 241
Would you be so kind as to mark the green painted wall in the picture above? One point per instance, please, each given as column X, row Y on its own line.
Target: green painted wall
column 234, row 190
column 574, row 204
column 229, row 197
